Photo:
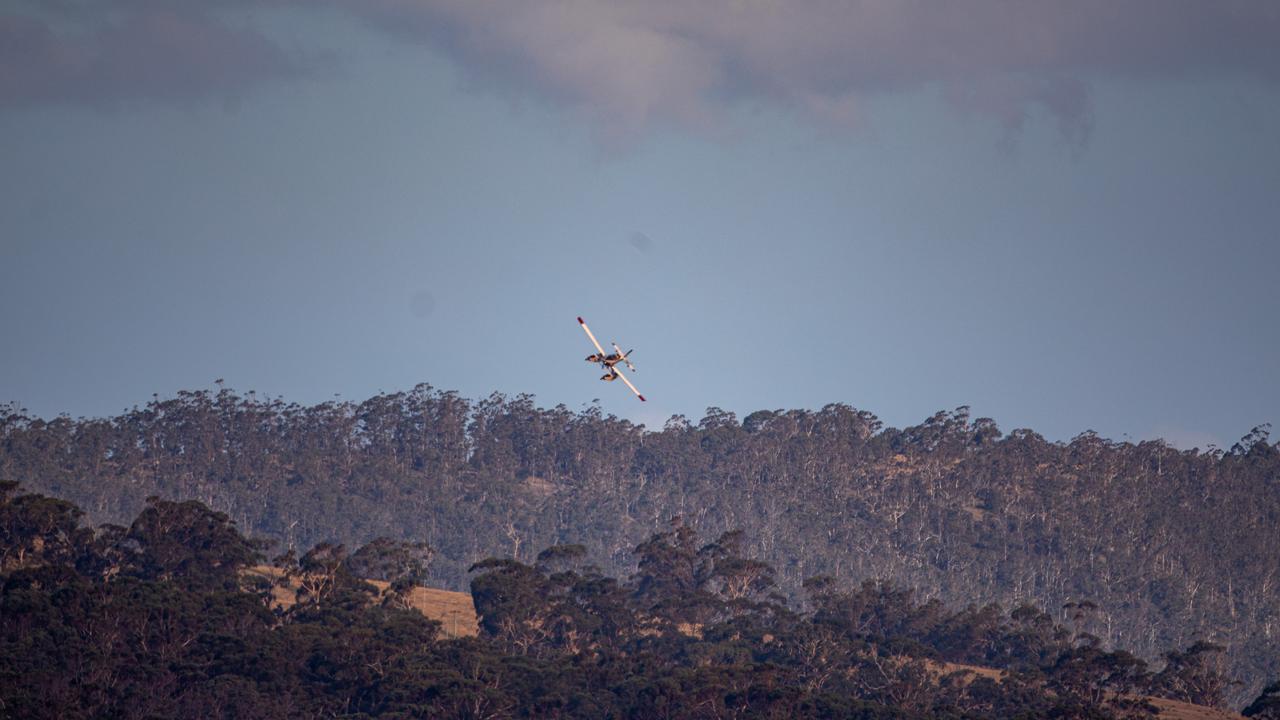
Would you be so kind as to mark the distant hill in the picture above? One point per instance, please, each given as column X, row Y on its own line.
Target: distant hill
column 1142, row 545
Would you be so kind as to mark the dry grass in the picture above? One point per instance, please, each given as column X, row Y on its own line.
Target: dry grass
column 974, row 671
column 1174, row 710
column 453, row 610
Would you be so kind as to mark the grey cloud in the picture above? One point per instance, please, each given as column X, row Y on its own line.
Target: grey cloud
column 634, row 66
column 80, row 54
column 631, row 66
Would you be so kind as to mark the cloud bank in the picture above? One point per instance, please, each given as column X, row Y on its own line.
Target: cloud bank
column 631, row 66
column 107, row 53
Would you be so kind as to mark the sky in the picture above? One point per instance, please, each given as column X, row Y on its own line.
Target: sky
column 1065, row 215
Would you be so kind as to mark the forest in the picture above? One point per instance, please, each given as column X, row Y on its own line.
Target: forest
column 163, row 619
column 1164, row 548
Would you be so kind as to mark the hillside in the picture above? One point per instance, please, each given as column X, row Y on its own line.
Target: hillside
column 1164, row 547
column 175, row 616
column 456, row 614
column 457, row 617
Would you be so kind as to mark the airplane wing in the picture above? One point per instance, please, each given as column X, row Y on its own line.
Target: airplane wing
column 593, row 337
column 628, row 382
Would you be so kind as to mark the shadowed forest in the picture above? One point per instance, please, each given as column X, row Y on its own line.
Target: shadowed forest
column 1134, row 546
column 170, row 617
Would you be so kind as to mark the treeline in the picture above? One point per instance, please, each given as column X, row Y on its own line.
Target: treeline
column 1173, row 547
column 162, row 619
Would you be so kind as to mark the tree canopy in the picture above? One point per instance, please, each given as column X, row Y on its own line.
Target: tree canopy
column 114, row 623
column 1170, row 547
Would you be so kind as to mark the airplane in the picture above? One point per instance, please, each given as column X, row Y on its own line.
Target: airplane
column 609, row 361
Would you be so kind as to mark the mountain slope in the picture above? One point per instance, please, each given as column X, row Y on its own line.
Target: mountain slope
column 1141, row 545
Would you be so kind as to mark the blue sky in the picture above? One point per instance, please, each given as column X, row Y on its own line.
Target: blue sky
column 1065, row 218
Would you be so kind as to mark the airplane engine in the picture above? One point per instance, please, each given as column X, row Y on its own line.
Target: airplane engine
column 609, row 377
